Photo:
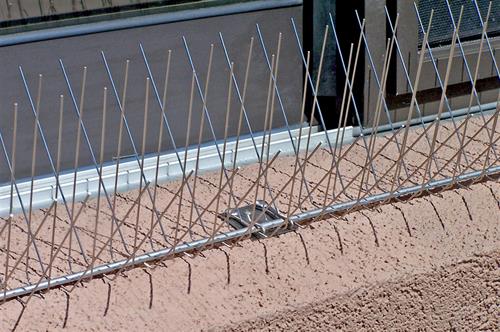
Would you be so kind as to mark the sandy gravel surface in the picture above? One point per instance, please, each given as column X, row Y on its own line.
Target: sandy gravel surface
column 403, row 254
column 462, row 297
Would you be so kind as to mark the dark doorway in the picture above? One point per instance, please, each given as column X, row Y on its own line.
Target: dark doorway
column 316, row 17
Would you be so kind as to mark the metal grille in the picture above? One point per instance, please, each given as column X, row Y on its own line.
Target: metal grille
column 470, row 28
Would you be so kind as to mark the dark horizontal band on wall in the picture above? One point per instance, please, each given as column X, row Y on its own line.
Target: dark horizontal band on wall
column 434, row 94
column 141, row 21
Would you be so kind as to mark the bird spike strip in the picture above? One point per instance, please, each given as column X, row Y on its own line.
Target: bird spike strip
column 73, row 240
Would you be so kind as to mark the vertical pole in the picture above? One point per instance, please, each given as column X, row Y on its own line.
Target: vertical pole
column 101, row 162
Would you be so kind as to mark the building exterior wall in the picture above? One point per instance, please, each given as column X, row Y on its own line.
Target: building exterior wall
column 42, row 58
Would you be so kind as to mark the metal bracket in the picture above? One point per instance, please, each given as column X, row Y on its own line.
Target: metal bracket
column 241, row 218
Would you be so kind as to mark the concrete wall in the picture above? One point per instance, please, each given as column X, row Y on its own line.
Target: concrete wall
column 76, row 52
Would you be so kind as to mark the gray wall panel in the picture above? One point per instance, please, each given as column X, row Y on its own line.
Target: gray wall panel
column 76, row 52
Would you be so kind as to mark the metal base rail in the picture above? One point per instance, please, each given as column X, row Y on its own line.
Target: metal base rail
column 87, row 184
column 428, row 119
